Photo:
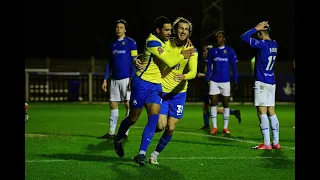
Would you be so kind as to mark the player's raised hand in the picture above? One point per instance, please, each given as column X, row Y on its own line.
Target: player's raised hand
column 189, row 43
column 187, row 52
column 179, row 77
column 137, row 63
column 104, row 85
column 262, row 26
column 199, row 75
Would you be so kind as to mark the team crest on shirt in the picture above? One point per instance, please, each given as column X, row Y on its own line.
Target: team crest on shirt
column 123, row 43
column 225, row 51
column 160, row 50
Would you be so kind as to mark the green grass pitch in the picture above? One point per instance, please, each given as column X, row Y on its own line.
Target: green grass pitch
column 60, row 143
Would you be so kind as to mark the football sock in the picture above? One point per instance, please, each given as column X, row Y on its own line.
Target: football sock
column 154, row 154
column 264, row 125
column 231, row 112
column 206, row 118
column 127, row 112
column 164, row 140
column 275, row 128
column 124, row 126
column 114, row 113
column 214, row 116
column 148, row 132
column 225, row 117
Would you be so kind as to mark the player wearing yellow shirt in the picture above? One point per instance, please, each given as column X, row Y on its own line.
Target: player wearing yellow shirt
column 174, row 85
column 146, row 86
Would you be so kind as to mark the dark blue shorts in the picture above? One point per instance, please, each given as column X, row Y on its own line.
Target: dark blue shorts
column 172, row 104
column 144, row 92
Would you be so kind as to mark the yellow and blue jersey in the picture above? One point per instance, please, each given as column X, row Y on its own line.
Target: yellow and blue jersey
column 154, row 55
column 188, row 67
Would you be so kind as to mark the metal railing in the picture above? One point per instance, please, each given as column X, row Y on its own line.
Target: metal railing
column 44, row 86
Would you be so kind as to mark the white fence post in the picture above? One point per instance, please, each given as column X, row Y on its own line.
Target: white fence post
column 90, row 87
column 26, row 86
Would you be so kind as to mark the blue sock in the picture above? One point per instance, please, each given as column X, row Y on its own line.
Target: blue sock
column 231, row 112
column 124, row 126
column 206, row 119
column 163, row 142
column 148, row 132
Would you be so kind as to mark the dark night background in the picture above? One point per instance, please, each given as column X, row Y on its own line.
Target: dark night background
column 80, row 29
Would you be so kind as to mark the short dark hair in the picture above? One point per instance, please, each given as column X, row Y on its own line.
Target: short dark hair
column 122, row 21
column 160, row 21
column 220, row 32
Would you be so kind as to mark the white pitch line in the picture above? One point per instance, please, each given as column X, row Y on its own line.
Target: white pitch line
column 211, row 136
column 46, row 161
column 221, row 158
column 177, row 158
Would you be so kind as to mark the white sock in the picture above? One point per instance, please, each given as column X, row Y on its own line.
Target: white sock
column 114, row 113
column 214, row 116
column 265, row 128
column 127, row 112
column 142, row 152
column 275, row 128
column 154, row 154
column 226, row 114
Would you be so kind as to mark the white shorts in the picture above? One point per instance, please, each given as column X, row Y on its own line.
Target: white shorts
column 219, row 88
column 119, row 90
column 264, row 94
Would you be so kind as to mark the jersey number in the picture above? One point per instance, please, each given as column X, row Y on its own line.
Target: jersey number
column 271, row 60
column 179, row 110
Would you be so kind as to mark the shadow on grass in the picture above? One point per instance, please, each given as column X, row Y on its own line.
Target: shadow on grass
column 104, row 145
column 277, row 160
column 146, row 172
column 123, row 166
column 84, row 157
column 200, row 143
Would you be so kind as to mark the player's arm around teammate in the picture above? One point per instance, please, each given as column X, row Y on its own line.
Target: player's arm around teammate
column 174, row 87
column 146, row 87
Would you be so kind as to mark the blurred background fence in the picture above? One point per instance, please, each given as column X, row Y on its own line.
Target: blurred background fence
column 48, row 80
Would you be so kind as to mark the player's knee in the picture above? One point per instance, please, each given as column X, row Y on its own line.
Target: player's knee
column 162, row 123
column 271, row 111
column 170, row 127
column 113, row 105
column 159, row 129
column 153, row 109
column 133, row 119
column 204, row 107
column 127, row 104
column 134, row 115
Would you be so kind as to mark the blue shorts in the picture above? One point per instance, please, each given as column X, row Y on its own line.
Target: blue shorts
column 144, row 92
column 172, row 104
